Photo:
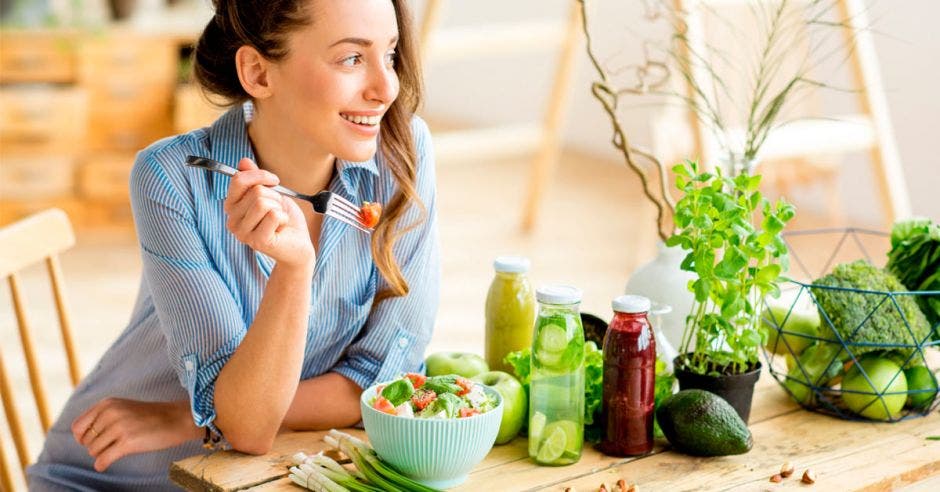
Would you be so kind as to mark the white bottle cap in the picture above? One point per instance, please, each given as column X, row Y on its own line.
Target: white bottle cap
column 511, row 264
column 558, row 294
column 631, row 304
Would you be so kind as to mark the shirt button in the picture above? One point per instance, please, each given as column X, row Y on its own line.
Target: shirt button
column 189, row 365
column 402, row 342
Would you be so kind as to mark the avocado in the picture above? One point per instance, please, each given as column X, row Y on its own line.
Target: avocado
column 701, row 423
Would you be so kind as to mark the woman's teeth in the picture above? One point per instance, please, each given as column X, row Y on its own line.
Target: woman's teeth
column 363, row 120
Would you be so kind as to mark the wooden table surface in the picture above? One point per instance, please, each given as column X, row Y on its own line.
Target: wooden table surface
column 846, row 455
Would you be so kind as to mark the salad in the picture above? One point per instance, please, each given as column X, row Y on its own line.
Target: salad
column 437, row 397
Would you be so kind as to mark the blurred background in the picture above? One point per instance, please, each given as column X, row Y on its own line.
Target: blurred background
column 525, row 160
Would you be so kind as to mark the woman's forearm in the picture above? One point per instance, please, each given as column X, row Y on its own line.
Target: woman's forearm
column 256, row 386
column 324, row 402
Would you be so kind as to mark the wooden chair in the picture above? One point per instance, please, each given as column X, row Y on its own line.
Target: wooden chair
column 37, row 238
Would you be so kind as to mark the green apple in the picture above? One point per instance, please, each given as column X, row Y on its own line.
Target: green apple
column 460, row 363
column 798, row 329
column 886, row 377
column 515, row 403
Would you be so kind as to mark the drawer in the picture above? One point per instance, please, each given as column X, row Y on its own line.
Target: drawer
column 30, row 178
column 37, row 56
column 122, row 54
column 41, row 118
column 106, row 178
column 125, row 95
column 116, row 132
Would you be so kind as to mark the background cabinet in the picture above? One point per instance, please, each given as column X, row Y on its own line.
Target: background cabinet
column 76, row 107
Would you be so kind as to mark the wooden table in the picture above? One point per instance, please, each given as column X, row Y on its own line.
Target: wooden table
column 845, row 455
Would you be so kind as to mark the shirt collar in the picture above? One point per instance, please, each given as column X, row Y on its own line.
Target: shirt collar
column 228, row 143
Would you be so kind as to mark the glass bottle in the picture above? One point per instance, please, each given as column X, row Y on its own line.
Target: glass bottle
column 556, row 394
column 629, row 379
column 510, row 311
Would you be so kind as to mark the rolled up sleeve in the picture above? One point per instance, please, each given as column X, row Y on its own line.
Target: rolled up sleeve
column 198, row 313
column 398, row 329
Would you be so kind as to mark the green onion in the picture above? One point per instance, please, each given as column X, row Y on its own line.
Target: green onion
column 369, row 464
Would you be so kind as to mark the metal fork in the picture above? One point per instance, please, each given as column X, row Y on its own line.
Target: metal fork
column 324, row 202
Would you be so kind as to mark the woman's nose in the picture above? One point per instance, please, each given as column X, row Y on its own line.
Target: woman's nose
column 383, row 85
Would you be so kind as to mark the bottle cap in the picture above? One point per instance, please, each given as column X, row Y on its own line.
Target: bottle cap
column 631, row 304
column 511, row 264
column 558, row 294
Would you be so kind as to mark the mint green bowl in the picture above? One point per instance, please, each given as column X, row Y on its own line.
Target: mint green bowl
column 436, row 452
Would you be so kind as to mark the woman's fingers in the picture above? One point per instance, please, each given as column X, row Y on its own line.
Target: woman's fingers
column 107, row 437
column 254, row 214
column 82, row 426
column 248, row 176
column 267, row 228
column 113, row 453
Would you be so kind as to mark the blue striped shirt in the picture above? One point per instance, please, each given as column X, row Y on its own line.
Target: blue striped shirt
column 201, row 289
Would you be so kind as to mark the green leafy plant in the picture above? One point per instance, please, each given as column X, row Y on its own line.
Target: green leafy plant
column 736, row 262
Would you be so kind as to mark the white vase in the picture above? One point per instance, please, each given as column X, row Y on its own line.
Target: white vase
column 663, row 282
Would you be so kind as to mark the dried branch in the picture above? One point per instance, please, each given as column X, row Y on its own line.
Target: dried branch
column 609, row 98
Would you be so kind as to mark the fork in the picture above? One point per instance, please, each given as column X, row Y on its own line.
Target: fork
column 325, row 202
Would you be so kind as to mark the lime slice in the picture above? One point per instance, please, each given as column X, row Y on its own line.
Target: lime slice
column 570, row 429
column 552, row 447
column 553, row 338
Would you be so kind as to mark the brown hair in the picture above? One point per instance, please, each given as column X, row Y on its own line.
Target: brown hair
column 264, row 25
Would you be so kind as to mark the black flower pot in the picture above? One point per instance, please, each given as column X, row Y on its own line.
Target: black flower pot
column 736, row 389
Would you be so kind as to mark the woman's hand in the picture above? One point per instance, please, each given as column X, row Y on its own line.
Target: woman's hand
column 264, row 219
column 114, row 428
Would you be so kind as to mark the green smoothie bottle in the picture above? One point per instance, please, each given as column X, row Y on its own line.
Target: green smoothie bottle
column 556, row 394
column 510, row 311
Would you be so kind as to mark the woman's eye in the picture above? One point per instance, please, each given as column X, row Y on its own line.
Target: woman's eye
column 350, row 61
column 390, row 57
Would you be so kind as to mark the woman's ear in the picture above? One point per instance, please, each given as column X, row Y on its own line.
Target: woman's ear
column 253, row 72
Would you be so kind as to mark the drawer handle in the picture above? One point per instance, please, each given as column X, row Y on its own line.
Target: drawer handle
column 28, row 138
column 123, row 92
column 124, row 57
column 28, row 62
column 32, row 114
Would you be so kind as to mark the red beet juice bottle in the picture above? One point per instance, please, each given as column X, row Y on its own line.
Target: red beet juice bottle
column 629, row 379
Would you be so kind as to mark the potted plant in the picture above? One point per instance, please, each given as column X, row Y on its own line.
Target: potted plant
column 732, row 236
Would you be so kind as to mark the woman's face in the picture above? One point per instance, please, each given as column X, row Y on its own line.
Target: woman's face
column 338, row 78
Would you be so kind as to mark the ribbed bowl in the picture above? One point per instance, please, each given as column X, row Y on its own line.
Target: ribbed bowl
column 436, row 452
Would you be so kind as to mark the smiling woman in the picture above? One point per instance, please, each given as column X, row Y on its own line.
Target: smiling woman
column 255, row 314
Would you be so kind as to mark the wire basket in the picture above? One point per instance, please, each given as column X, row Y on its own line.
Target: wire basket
column 847, row 366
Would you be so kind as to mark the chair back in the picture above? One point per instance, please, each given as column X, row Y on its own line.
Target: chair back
column 39, row 238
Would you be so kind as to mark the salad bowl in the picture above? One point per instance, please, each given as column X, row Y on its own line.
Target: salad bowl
column 438, row 452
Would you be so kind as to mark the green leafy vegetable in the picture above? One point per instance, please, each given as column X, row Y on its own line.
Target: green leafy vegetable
column 915, row 260
column 442, row 384
column 663, row 389
column 399, row 391
column 861, row 317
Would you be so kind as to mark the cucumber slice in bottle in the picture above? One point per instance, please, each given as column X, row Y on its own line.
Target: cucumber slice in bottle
column 553, row 338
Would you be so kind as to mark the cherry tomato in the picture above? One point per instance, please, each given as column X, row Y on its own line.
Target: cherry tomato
column 383, row 405
column 369, row 214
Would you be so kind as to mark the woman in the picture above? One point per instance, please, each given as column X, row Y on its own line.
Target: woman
column 254, row 313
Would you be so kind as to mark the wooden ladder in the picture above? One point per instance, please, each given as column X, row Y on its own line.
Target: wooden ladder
column 870, row 130
column 541, row 139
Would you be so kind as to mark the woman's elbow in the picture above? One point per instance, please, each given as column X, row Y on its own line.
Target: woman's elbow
column 255, row 443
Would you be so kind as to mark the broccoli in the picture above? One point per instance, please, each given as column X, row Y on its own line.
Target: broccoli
column 880, row 321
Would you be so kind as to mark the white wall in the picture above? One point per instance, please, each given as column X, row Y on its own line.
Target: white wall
column 513, row 89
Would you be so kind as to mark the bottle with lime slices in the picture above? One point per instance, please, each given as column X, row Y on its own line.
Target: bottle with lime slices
column 556, row 395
